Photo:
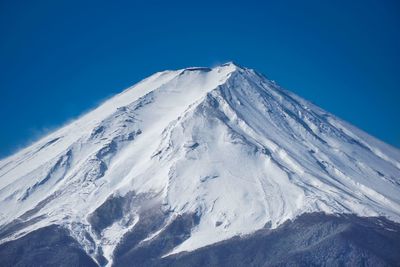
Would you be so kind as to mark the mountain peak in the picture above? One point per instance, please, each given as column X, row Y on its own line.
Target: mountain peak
column 230, row 66
column 231, row 63
column 230, row 153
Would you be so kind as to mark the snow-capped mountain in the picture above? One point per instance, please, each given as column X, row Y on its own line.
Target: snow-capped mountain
column 222, row 150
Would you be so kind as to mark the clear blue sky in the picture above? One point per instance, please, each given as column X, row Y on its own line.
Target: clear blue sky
column 59, row 59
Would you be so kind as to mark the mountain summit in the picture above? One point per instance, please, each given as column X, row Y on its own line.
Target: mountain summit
column 189, row 159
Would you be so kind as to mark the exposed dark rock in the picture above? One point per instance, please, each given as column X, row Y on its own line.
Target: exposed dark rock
column 111, row 210
column 132, row 252
column 57, row 171
column 30, row 213
column 311, row 240
column 49, row 246
column 49, row 143
column 17, row 225
column 97, row 131
column 204, row 69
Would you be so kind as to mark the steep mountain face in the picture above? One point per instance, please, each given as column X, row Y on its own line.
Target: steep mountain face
column 191, row 158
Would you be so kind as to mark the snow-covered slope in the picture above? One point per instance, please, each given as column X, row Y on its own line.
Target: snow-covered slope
column 224, row 143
